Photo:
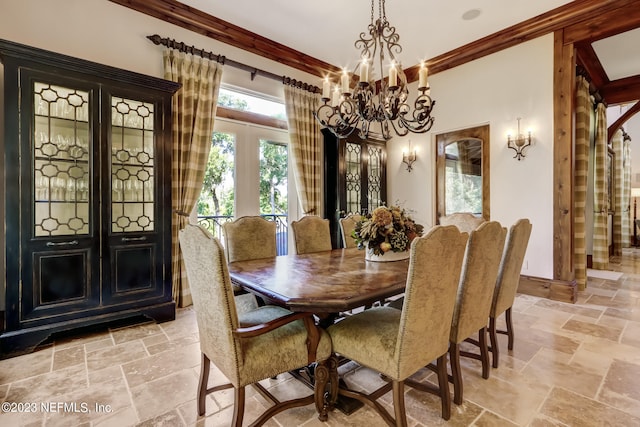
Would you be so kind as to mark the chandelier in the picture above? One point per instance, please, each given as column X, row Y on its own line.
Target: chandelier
column 385, row 101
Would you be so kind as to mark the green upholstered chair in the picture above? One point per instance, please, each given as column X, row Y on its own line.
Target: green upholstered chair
column 347, row 225
column 249, row 237
column 246, row 347
column 465, row 221
column 507, row 283
column 474, row 299
column 398, row 343
column 311, row 234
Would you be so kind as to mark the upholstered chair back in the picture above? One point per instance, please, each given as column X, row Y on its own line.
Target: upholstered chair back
column 212, row 298
column 249, row 237
column 511, row 266
column 430, row 294
column 347, row 225
column 477, row 280
column 465, row 221
column 311, row 234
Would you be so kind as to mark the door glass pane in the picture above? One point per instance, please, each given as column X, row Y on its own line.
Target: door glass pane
column 374, row 178
column 61, row 180
column 353, row 165
column 215, row 205
column 132, row 166
column 273, row 188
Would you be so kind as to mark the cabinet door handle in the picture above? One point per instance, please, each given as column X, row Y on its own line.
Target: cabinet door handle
column 70, row 243
column 134, row 239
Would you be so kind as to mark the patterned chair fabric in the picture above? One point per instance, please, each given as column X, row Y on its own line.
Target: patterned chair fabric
column 397, row 343
column 475, row 296
column 249, row 237
column 244, row 352
column 465, row 221
column 311, row 234
column 347, row 225
column 507, row 283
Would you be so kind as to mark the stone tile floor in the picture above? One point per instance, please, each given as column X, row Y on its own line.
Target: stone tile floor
column 573, row 365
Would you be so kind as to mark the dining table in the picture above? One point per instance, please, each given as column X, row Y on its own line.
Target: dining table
column 326, row 284
column 323, row 283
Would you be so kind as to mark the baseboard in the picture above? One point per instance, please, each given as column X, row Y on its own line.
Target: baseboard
column 557, row 290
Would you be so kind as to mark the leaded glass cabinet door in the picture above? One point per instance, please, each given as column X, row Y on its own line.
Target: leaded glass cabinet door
column 134, row 245
column 58, row 193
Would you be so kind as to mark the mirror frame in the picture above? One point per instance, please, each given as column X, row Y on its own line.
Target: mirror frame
column 444, row 139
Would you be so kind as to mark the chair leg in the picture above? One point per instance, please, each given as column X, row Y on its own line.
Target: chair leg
column 484, row 352
column 443, row 384
column 398, row 404
column 456, row 373
column 509, row 328
column 205, row 366
column 321, row 378
column 493, row 336
column 238, row 407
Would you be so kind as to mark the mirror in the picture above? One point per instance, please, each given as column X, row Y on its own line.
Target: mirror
column 462, row 172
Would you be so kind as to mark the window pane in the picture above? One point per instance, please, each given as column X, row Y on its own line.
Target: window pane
column 254, row 104
column 273, row 178
column 216, row 200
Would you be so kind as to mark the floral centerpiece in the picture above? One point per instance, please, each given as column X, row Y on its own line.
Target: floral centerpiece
column 386, row 229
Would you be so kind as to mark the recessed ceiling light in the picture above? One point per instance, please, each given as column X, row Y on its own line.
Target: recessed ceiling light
column 471, row 14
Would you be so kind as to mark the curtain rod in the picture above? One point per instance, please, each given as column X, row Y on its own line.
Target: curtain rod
column 221, row 59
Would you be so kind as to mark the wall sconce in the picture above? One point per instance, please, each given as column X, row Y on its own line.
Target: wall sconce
column 519, row 143
column 409, row 158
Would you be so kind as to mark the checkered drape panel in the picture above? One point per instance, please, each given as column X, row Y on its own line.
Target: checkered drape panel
column 600, row 193
column 627, row 231
column 194, row 108
column 584, row 106
column 305, row 137
column 621, row 195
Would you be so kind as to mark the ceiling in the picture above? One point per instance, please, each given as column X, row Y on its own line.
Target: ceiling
column 327, row 29
column 318, row 36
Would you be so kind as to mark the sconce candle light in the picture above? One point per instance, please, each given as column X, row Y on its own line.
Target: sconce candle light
column 519, row 143
column 409, row 157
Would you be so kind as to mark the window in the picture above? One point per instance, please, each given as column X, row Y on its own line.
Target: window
column 248, row 171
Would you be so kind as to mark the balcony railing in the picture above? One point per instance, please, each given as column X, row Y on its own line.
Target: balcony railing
column 213, row 223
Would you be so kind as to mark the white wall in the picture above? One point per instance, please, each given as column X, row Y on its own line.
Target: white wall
column 494, row 90
column 104, row 32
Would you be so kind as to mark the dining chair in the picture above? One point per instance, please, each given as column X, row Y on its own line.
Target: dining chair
column 474, row 298
column 249, row 237
column 465, row 221
column 246, row 347
column 311, row 234
column 347, row 225
column 398, row 343
column 507, row 283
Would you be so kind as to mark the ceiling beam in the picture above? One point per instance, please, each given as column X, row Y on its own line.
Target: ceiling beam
column 621, row 90
column 179, row 14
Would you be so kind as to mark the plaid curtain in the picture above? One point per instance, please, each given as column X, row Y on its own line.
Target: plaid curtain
column 584, row 106
column 305, row 137
column 194, row 108
column 619, row 210
column 600, row 193
column 627, row 231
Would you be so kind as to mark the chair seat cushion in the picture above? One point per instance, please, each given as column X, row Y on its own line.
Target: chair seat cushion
column 369, row 336
column 261, row 360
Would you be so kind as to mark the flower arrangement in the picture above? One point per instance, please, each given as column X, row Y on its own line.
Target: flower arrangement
column 386, row 229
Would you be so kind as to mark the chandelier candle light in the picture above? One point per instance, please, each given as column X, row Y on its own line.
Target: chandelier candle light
column 385, row 101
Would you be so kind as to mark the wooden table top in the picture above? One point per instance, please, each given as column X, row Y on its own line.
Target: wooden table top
column 322, row 282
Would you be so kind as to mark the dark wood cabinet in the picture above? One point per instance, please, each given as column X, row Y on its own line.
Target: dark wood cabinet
column 87, row 195
column 355, row 178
